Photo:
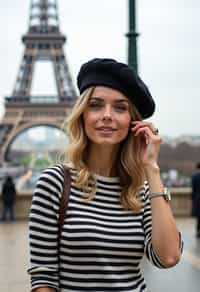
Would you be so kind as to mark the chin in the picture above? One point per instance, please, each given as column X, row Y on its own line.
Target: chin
column 107, row 142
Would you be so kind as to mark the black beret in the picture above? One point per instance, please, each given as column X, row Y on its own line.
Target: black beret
column 119, row 76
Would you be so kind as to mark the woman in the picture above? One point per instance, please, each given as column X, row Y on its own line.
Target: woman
column 118, row 209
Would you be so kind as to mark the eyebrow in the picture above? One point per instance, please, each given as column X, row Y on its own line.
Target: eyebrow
column 121, row 100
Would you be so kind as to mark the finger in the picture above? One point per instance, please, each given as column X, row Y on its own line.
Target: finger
column 149, row 125
column 141, row 133
column 138, row 124
column 144, row 130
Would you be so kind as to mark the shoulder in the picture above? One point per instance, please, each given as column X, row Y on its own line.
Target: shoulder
column 54, row 171
column 51, row 178
column 48, row 191
column 196, row 176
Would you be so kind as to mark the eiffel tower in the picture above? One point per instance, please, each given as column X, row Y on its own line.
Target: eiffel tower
column 43, row 42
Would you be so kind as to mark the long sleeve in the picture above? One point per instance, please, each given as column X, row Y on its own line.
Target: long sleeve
column 147, row 225
column 43, row 229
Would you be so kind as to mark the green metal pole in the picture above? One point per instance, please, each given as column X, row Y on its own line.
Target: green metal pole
column 132, row 36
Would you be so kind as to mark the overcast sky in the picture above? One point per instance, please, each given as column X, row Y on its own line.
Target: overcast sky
column 168, row 50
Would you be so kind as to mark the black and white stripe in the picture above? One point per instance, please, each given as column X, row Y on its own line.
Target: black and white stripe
column 101, row 243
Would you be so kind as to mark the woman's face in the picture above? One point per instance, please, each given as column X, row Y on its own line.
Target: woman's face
column 107, row 116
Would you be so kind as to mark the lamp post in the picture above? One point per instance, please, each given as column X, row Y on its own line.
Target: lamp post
column 132, row 36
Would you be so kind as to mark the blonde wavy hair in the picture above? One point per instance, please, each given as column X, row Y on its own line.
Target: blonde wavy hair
column 129, row 167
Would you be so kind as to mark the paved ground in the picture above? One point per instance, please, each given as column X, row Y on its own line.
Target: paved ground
column 14, row 261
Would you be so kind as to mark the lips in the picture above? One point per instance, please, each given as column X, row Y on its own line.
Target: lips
column 106, row 129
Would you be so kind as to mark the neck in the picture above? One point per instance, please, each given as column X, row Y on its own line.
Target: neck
column 102, row 160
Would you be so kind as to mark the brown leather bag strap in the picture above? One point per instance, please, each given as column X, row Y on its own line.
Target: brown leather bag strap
column 64, row 199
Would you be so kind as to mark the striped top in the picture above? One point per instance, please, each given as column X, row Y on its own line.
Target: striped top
column 101, row 243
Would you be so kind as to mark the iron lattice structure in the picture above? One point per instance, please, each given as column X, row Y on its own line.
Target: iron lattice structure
column 43, row 41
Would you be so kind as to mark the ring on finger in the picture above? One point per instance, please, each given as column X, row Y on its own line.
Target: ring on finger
column 156, row 131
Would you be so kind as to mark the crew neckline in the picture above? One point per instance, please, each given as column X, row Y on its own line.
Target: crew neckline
column 106, row 178
column 101, row 177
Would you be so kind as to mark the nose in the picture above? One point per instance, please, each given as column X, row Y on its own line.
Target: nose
column 107, row 113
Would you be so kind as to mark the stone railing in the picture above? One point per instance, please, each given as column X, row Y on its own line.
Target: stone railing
column 22, row 205
column 180, row 203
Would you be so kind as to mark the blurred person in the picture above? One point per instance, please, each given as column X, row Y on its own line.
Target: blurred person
column 118, row 208
column 196, row 198
column 8, row 199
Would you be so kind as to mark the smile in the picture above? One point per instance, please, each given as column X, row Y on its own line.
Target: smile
column 106, row 130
